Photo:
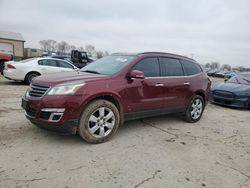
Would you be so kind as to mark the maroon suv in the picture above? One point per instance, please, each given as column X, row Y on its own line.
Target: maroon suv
column 96, row 100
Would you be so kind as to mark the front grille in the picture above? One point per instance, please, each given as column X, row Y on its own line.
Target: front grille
column 223, row 94
column 37, row 90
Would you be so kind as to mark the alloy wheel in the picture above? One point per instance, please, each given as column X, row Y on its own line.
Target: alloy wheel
column 196, row 109
column 101, row 122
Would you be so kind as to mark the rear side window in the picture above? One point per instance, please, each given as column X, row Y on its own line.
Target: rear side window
column 64, row 64
column 191, row 68
column 171, row 67
column 47, row 62
column 149, row 66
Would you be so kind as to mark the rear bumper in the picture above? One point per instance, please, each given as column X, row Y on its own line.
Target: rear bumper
column 13, row 74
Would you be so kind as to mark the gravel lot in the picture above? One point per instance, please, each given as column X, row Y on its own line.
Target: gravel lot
column 162, row 152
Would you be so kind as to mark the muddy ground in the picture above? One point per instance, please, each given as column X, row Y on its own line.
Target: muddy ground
column 162, row 152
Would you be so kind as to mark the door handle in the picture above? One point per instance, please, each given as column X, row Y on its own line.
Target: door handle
column 186, row 83
column 159, row 85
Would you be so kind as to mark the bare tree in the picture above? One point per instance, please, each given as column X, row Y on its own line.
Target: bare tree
column 48, row 45
column 80, row 48
column 99, row 54
column 52, row 45
column 72, row 47
column 226, row 67
column 62, row 47
column 215, row 65
column 106, row 53
column 207, row 65
column 44, row 45
column 90, row 50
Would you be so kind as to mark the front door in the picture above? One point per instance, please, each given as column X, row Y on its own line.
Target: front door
column 146, row 94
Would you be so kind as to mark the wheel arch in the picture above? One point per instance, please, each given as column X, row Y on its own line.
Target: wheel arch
column 113, row 98
column 109, row 97
column 32, row 71
column 202, row 94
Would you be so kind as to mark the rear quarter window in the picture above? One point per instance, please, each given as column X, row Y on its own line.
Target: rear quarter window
column 191, row 68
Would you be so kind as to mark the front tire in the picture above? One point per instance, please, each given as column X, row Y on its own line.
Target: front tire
column 99, row 121
column 195, row 109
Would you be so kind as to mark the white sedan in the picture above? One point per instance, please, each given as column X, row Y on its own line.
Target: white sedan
column 27, row 69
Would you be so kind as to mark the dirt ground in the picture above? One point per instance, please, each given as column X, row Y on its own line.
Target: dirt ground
column 155, row 152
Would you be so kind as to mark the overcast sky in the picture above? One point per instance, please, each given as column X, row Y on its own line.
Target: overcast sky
column 212, row 30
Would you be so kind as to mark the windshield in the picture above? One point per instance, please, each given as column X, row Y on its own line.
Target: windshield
column 108, row 65
column 240, row 79
column 84, row 55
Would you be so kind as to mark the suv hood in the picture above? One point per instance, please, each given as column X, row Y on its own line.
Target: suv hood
column 231, row 87
column 58, row 78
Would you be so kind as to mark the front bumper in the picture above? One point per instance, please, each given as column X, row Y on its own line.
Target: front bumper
column 68, row 127
column 57, row 113
column 235, row 102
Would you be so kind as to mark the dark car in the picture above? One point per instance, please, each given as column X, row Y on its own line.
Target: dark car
column 96, row 100
column 212, row 72
column 235, row 92
column 79, row 58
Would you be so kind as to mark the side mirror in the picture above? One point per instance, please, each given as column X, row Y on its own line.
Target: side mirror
column 136, row 74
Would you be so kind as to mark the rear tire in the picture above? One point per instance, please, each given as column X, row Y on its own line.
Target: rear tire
column 99, row 121
column 29, row 77
column 195, row 109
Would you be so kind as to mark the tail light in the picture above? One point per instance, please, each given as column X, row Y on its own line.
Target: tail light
column 9, row 66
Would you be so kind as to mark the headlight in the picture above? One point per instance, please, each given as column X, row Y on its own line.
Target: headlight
column 243, row 93
column 66, row 89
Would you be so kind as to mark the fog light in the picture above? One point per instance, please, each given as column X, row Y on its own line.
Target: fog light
column 55, row 113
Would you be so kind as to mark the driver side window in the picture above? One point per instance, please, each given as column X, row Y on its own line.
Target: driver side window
column 149, row 66
column 64, row 64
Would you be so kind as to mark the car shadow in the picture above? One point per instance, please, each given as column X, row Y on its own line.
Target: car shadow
column 128, row 127
column 229, row 107
column 4, row 81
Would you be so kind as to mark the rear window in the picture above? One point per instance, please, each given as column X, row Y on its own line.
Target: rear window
column 191, row 68
column 171, row 67
column 48, row 62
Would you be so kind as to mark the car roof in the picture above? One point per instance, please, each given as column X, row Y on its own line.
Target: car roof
column 42, row 58
column 155, row 54
column 52, row 58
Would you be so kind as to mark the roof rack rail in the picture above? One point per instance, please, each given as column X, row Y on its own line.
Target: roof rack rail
column 164, row 53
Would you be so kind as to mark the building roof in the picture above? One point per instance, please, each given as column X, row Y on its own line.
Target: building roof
column 11, row 35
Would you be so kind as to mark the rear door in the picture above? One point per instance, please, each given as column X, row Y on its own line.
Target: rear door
column 197, row 79
column 146, row 94
column 47, row 66
column 176, row 85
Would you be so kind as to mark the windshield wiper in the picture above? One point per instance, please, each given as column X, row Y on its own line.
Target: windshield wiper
column 246, row 79
column 237, row 80
column 91, row 71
